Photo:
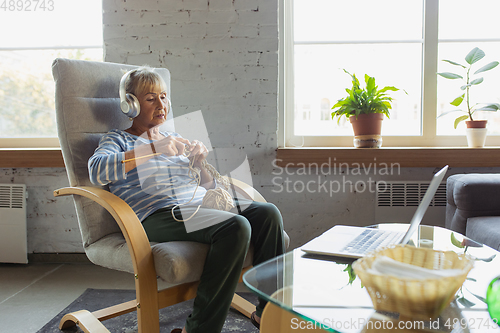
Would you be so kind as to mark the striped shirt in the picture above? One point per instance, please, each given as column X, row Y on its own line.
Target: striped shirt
column 160, row 182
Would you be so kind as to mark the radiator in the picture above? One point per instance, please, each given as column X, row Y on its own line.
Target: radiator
column 13, row 237
column 397, row 201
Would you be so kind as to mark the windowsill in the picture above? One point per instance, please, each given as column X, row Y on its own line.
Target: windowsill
column 402, row 156
column 298, row 157
column 31, row 158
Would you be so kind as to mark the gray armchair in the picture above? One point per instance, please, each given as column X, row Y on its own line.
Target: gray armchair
column 473, row 207
column 87, row 106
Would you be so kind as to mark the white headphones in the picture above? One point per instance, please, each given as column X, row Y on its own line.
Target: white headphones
column 128, row 102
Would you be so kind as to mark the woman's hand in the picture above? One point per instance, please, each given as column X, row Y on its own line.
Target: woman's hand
column 198, row 152
column 171, row 145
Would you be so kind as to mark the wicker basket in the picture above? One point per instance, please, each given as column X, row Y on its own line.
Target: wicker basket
column 422, row 299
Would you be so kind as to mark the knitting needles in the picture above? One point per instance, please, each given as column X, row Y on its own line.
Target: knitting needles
column 140, row 157
column 187, row 152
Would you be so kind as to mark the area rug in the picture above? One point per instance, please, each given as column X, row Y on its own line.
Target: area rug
column 170, row 317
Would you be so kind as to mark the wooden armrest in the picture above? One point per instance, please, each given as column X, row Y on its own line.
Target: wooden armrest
column 247, row 191
column 138, row 245
column 127, row 220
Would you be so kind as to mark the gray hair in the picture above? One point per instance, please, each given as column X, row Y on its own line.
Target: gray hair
column 143, row 80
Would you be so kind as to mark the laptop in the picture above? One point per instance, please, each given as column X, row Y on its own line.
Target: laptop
column 355, row 242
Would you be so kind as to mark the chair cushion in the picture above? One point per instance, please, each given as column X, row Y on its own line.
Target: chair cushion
column 175, row 262
column 485, row 229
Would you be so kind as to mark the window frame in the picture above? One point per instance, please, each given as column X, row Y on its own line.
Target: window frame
column 430, row 44
column 34, row 142
column 40, row 142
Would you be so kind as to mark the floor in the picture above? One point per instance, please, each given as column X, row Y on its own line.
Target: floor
column 31, row 295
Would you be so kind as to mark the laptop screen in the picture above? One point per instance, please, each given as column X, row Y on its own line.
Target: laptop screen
column 424, row 204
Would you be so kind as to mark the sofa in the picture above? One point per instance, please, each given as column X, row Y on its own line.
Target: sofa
column 473, row 207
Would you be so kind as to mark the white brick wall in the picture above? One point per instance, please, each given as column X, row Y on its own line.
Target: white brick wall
column 223, row 57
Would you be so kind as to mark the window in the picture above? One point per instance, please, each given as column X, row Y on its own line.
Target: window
column 34, row 33
column 458, row 35
column 401, row 44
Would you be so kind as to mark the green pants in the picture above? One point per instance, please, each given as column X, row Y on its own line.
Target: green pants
column 229, row 235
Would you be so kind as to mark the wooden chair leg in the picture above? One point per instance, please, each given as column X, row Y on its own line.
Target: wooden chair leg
column 146, row 290
column 91, row 322
column 85, row 320
column 242, row 305
column 115, row 310
column 148, row 316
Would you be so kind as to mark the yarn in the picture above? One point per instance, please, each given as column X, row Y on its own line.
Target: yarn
column 218, row 198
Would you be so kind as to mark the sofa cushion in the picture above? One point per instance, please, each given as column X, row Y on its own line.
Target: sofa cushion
column 474, row 192
column 485, row 229
column 471, row 195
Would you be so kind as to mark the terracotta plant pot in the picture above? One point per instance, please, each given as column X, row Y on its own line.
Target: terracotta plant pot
column 476, row 133
column 367, row 129
column 367, row 124
column 476, row 123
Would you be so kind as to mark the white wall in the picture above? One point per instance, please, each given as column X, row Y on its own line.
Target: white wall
column 223, row 58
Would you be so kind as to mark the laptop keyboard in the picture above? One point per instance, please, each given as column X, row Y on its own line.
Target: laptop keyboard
column 369, row 240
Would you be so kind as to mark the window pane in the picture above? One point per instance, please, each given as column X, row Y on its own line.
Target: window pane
column 27, row 91
column 466, row 19
column 320, row 82
column 486, row 92
column 41, row 31
column 69, row 23
column 340, row 20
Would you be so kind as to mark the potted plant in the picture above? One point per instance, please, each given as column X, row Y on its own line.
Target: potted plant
column 365, row 108
column 476, row 129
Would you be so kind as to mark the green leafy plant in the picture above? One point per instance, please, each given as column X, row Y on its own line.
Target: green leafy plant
column 471, row 58
column 363, row 100
column 350, row 271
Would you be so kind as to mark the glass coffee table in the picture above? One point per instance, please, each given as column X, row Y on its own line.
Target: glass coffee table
column 320, row 293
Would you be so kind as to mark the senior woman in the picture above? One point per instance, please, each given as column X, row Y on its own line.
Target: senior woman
column 117, row 160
